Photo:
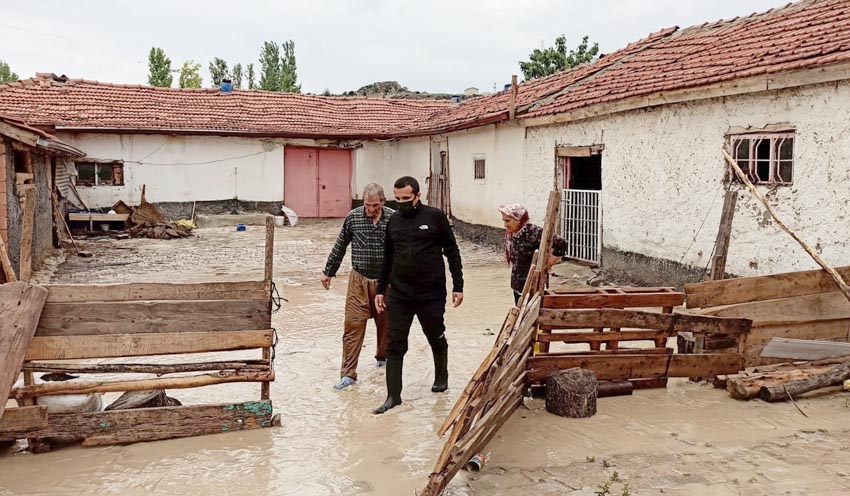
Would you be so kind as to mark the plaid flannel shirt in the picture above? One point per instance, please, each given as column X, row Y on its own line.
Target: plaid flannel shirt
column 367, row 243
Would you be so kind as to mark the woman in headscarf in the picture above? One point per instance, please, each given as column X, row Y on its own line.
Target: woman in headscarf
column 522, row 238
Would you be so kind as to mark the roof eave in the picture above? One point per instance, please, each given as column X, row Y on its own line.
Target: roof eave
column 226, row 133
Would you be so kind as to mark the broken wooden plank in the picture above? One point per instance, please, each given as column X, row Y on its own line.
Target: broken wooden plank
column 88, row 387
column 20, row 307
column 624, row 300
column 128, row 317
column 761, row 288
column 610, row 367
column 762, row 332
column 144, row 368
column 153, row 424
column 122, row 345
column 18, row 423
column 79, row 293
column 634, row 319
column 804, row 349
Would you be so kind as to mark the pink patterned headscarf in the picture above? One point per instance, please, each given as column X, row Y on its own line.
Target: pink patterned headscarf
column 515, row 211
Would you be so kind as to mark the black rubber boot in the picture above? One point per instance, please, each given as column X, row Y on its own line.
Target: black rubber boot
column 441, row 370
column 394, row 370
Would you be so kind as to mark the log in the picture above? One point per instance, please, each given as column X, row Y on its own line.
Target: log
column 20, row 307
column 152, row 424
column 835, row 275
column 86, row 387
column 142, row 399
column 572, row 393
column 606, row 389
column 747, row 386
column 833, row 376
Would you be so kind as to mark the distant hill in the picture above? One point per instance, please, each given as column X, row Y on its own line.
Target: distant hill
column 392, row 89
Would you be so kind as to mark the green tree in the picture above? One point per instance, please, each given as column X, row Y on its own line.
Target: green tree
column 6, row 74
column 270, row 66
column 218, row 71
column 190, row 75
column 159, row 68
column 236, row 76
column 250, row 76
column 550, row 60
column 288, row 69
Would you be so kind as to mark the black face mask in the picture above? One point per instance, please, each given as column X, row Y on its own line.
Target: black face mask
column 406, row 208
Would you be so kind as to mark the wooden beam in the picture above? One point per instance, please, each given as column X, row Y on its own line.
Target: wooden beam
column 724, row 235
column 597, row 337
column 763, row 332
column 610, row 367
column 804, row 349
column 761, row 288
column 20, row 306
column 18, row 423
column 123, row 345
column 634, row 319
column 153, row 424
column 626, row 300
column 89, row 387
column 79, row 293
column 96, row 217
column 144, row 368
column 25, row 260
column 836, row 277
column 129, row 317
column 6, row 264
column 268, row 269
column 799, row 308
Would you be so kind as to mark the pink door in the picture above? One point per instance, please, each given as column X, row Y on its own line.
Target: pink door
column 334, row 183
column 300, row 181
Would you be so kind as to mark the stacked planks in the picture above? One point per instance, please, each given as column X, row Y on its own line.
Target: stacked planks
column 798, row 305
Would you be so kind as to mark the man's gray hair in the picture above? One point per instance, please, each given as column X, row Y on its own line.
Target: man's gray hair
column 373, row 190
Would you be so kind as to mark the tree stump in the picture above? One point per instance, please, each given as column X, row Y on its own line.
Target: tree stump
column 572, row 393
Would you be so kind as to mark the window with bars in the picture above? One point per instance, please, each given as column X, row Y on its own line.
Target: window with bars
column 100, row 174
column 480, row 168
column 765, row 158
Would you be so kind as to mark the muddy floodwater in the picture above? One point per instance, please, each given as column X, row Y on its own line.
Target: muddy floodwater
column 687, row 439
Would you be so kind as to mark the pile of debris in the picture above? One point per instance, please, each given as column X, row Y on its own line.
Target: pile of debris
column 160, row 231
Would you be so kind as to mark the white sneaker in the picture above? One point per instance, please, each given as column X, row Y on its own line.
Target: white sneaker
column 345, row 382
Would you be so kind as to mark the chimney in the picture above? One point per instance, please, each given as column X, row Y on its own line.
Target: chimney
column 226, row 86
column 512, row 110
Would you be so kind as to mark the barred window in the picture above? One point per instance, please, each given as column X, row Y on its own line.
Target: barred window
column 765, row 158
column 480, row 172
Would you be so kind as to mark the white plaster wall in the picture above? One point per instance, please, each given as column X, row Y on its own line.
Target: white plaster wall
column 662, row 174
column 477, row 201
column 185, row 173
column 383, row 162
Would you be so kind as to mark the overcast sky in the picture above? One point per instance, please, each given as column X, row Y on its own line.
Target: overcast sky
column 435, row 45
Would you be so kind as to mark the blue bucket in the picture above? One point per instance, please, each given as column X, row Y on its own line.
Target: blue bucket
column 241, row 227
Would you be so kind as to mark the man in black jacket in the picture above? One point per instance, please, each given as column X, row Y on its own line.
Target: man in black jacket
column 417, row 238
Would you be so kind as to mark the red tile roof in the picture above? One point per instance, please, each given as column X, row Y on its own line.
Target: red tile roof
column 49, row 141
column 803, row 35
column 76, row 103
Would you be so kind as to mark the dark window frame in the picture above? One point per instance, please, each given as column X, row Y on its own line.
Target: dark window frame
column 115, row 168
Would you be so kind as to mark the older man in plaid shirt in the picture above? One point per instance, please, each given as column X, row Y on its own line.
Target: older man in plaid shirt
column 365, row 229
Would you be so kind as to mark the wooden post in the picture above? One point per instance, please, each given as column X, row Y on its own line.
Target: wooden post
column 269, row 261
column 839, row 281
column 718, row 262
column 8, row 275
column 25, row 264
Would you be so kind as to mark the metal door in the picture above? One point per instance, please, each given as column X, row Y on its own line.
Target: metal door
column 581, row 224
column 334, row 182
column 300, row 180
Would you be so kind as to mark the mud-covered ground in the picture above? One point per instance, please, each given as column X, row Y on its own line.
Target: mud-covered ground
column 688, row 439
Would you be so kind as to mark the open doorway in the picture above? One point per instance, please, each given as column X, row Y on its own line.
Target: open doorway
column 579, row 173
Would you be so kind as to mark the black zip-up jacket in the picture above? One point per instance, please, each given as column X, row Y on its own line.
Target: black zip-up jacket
column 413, row 257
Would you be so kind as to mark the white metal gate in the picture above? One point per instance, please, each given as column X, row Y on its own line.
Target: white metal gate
column 581, row 224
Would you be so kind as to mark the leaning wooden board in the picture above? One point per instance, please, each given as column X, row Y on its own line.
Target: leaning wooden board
column 20, row 308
